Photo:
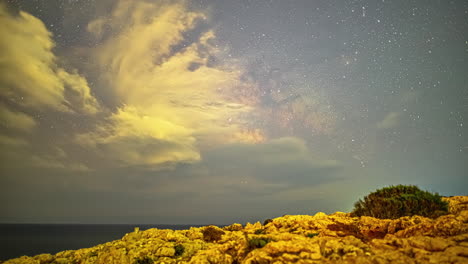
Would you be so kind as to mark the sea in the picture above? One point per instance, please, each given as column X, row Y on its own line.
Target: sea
column 32, row 239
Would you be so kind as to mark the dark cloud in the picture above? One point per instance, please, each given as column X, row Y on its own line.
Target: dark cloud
column 283, row 160
column 246, row 175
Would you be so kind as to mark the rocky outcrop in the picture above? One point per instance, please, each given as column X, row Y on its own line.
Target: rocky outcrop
column 321, row 238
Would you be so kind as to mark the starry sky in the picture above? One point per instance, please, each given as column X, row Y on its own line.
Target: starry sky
column 214, row 112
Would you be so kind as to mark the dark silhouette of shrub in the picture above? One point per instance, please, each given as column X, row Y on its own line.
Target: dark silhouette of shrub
column 398, row 201
column 267, row 221
column 144, row 260
column 179, row 250
column 212, row 233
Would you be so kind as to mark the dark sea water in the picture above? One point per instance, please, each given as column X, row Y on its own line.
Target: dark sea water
column 31, row 239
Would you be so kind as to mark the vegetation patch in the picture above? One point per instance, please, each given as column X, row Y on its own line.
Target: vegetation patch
column 144, row 260
column 258, row 242
column 212, row 233
column 179, row 250
column 260, row 231
column 402, row 200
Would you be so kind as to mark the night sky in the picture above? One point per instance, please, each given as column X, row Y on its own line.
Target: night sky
column 214, row 112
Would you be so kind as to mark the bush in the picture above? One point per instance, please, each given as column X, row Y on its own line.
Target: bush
column 311, row 235
column 212, row 233
column 258, row 242
column 144, row 260
column 260, row 231
column 398, row 201
column 179, row 250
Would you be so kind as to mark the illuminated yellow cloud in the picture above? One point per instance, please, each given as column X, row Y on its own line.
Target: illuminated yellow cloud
column 249, row 136
column 174, row 101
column 30, row 75
column 16, row 120
column 133, row 138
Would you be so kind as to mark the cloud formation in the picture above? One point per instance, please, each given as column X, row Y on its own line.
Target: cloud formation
column 7, row 141
column 30, row 75
column 131, row 137
column 173, row 99
column 57, row 158
column 34, row 85
column 16, row 121
column 286, row 160
column 250, row 175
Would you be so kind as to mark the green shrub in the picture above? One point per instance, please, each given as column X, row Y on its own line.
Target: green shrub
column 144, row 260
column 311, row 235
column 212, row 233
column 260, row 231
column 179, row 250
column 398, row 201
column 258, row 242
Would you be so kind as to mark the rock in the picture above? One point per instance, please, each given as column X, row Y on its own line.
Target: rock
column 457, row 203
column 430, row 243
column 233, row 227
column 44, row 258
column 165, row 252
column 22, row 260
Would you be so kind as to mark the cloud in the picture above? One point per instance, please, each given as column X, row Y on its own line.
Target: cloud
column 266, row 180
column 253, row 176
column 256, row 169
column 57, row 158
column 12, row 142
column 131, row 137
column 173, row 100
column 280, row 160
column 31, row 80
column 30, row 75
column 19, row 153
column 391, row 120
column 17, row 121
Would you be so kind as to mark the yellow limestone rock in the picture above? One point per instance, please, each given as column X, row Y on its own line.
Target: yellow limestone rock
column 457, row 204
column 303, row 239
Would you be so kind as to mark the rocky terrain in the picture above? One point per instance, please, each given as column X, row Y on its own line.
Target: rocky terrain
column 321, row 238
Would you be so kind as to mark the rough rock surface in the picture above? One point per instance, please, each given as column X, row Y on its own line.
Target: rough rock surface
column 321, row 238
